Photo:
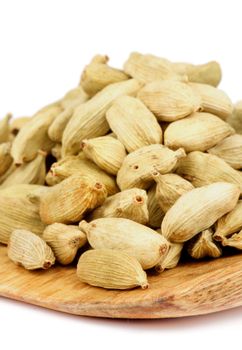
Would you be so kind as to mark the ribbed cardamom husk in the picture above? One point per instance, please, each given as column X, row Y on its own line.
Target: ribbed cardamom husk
column 198, row 132
column 148, row 68
column 33, row 136
column 89, row 119
column 73, row 98
column 81, row 165
column 208, row 73
column 202, row 246
column 198, row 210
column 17, row 124
column 111, row 269
column 214, row 101
column 169, row 188
column 234, row 241
column 133, row 123
column 106, row 152
column 129, row 204
column 137, row 168
column 235, row 120
column 33, row 172
column 172, row 257
column 5, row 157
column 156, row 215
column 65, row 240
column 203, row 169
column 230, row 150
column 170, row 100
column 30, row 251
column 5, row 128
column 68, row 201
column 229, row 223
column 19, row 209
column 98, row 74
column 137, row 240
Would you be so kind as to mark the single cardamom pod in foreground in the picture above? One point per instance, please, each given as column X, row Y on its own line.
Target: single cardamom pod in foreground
column 202, row 246
column 65, row 240
column 172, row 258
column 198, row 209
column 137, row 240
column 30, row 251
column 111, row 269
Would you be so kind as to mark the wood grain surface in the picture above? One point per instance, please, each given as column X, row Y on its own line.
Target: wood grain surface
column 190, row 289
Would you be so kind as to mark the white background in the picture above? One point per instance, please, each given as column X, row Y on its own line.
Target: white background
column 43, row 48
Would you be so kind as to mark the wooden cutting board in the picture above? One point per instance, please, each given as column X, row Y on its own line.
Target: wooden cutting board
column 190, row 289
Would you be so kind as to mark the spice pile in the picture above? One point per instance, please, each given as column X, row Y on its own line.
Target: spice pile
column 135, row 166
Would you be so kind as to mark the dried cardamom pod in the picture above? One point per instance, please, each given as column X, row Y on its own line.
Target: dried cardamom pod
column 172, row 257
column 203, row 169
column 5, row 128
column 137, row 168
column 148, row 68
column 145, row 244
column 65, row 240
column 129, row 204
column 229, row 223
column 17, row 124
column 202, row 246
column 235, row 120
column 56, row 151
column 133, row 123
column 33, row 135
column 29, row 250
column 156, row 215
column 198, row 132
column 69, row 200
column 73, row 98
column 98, row 74
column 230, row 150
column 5, row 157
column 170, row 100
column 198, row 210
column 169, row 188
column 33, row 172
column 209, row 73
column 234, row 241
column 89, row 119
column 214, row 101
column 111, row 269
column 106, row 152
column 80, row 165
column 20, row 210
column 56, row 129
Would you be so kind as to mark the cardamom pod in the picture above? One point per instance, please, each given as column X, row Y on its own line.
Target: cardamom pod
column 169, row 188
column 33, row 135
column 98, row 74
column 198, row 132
column 89, row 119
column 106, row 152
column 203, row 169
column 65, row 240
column 202, row 246
column 229, row 223
column 69, row 200
column 156, row 215
column 235, row 120
column 79, row 164
column 57, row 127
column 214, row 101
column 29, row 250
column 234, row 241
column 111, row 269
column 230, row 150
column 137, row 168
column 33, row 172
column 170, row 100
column 129, row 204
column 172, row 258
column 198, row 210
column 148, row 68
column 5, row 157
column 133, row 123
column 5, row 128
column 137, row 240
